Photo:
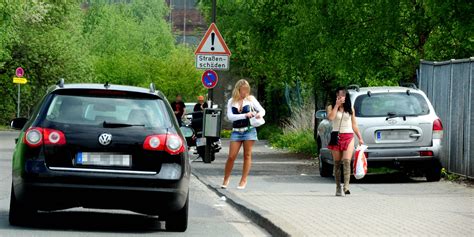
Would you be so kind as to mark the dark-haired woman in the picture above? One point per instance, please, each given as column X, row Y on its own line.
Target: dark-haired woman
column 344, row 125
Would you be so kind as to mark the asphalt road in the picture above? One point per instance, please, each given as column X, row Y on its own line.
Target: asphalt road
column 209, row 215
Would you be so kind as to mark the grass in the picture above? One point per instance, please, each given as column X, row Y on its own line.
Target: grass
column 5, row 128
column 296, row 141
column 295, row 134
column 449, row 176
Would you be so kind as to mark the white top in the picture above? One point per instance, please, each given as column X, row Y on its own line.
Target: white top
column 345, row 125
column 251, row 101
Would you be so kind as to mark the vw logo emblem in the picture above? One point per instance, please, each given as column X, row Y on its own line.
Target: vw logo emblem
column 105, row 139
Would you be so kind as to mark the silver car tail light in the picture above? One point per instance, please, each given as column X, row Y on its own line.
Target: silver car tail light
column 437, row 129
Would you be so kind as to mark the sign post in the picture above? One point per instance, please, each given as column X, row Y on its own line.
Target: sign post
column 211, row 54
column 19, row 72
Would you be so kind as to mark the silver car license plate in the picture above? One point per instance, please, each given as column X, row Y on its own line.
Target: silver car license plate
column 103, row 159
column 395, row 135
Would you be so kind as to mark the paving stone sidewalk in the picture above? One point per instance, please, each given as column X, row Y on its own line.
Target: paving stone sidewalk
column 286, row 196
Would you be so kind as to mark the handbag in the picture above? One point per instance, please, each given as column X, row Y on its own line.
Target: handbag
column 334, row 140
column 256, row 122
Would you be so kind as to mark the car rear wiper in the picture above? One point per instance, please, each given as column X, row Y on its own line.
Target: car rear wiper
column 404, row 116
column 121, row 125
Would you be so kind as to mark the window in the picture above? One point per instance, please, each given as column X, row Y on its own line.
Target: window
column 91, row 110
column 383, row 104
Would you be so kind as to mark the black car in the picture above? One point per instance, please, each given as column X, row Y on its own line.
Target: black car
column 101, row 146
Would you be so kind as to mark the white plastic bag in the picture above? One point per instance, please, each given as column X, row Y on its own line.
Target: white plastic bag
column 360, row 162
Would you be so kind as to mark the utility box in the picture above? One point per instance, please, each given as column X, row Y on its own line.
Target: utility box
column 212, row 123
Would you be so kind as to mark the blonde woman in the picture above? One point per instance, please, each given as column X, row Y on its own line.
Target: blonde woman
column 240, row 108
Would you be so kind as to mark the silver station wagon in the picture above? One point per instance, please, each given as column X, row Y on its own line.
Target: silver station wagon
column 398, row 124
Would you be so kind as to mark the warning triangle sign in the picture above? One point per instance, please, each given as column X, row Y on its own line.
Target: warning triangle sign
column 212, row 43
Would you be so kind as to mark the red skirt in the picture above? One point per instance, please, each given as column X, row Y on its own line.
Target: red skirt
column 344, row 140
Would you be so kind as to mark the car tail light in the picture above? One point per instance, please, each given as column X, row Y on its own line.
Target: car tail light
column 53, row 137
column 171, row 143
column 426, row 153
column 366, row 154
column 174, row 144
column 35, row 137
column 155, row 142
column 437, row 129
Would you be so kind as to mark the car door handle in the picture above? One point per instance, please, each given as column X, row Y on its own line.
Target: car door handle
column 415, row 135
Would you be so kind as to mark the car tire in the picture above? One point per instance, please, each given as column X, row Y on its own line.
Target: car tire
column 178, row 221
column 20, row 213
column 433, row 173
column 325, row 169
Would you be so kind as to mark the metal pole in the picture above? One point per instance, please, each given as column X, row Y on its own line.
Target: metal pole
column 184, row 24
column 210, row 96
column 18, row 103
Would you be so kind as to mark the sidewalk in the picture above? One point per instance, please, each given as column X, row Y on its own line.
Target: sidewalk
column 286, row 196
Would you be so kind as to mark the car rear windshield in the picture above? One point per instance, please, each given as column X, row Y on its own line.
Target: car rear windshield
column 93, row 110
column 395, row 104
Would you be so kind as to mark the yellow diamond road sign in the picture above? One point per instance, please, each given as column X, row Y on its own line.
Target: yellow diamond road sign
column 19, row 80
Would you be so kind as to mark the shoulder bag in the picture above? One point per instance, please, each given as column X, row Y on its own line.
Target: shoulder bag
column 335, row 134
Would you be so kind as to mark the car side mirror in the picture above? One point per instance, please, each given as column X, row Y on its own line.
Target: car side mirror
column 321, row 114
column 18, row 123
column 187, row 132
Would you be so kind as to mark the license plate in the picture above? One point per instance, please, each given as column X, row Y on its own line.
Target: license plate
column 395, row 135
column 201, row 141
column 103, row 159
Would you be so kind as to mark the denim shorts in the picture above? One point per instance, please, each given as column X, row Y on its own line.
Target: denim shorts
column 249, row 135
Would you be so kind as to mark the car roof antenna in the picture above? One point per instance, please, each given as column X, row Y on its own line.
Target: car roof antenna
column 106, row 85
column 60, row 82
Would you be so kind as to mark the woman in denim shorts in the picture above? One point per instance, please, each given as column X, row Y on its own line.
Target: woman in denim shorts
column 240, row 108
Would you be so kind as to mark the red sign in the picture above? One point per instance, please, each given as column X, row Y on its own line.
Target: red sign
column 19, row 72
column 212, row 43
column 209, row 79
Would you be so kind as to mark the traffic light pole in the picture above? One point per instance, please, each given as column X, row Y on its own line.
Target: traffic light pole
column 210, row 95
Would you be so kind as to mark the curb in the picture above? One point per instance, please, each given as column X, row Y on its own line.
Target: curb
column 253, row 215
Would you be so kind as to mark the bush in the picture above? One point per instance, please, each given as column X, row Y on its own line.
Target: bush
column 298, row 141
column 225, row 133
column 269, row 132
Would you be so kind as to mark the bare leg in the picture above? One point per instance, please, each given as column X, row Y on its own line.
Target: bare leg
column 229, row 165
column 346, row 161
column 247, row 162
column 336, row 156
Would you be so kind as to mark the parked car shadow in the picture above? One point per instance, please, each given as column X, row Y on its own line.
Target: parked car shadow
column 93, row 221
column 384, row 179
column 388, row 178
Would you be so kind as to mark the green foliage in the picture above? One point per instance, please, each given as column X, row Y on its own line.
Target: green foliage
column 120, row 42
column 225, row 133
column 327, row 43
column 449, row 176
column 269, row 132
column 299, row 141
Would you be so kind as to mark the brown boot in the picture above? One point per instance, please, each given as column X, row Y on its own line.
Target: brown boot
column 347, row 175
column 337, row 177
